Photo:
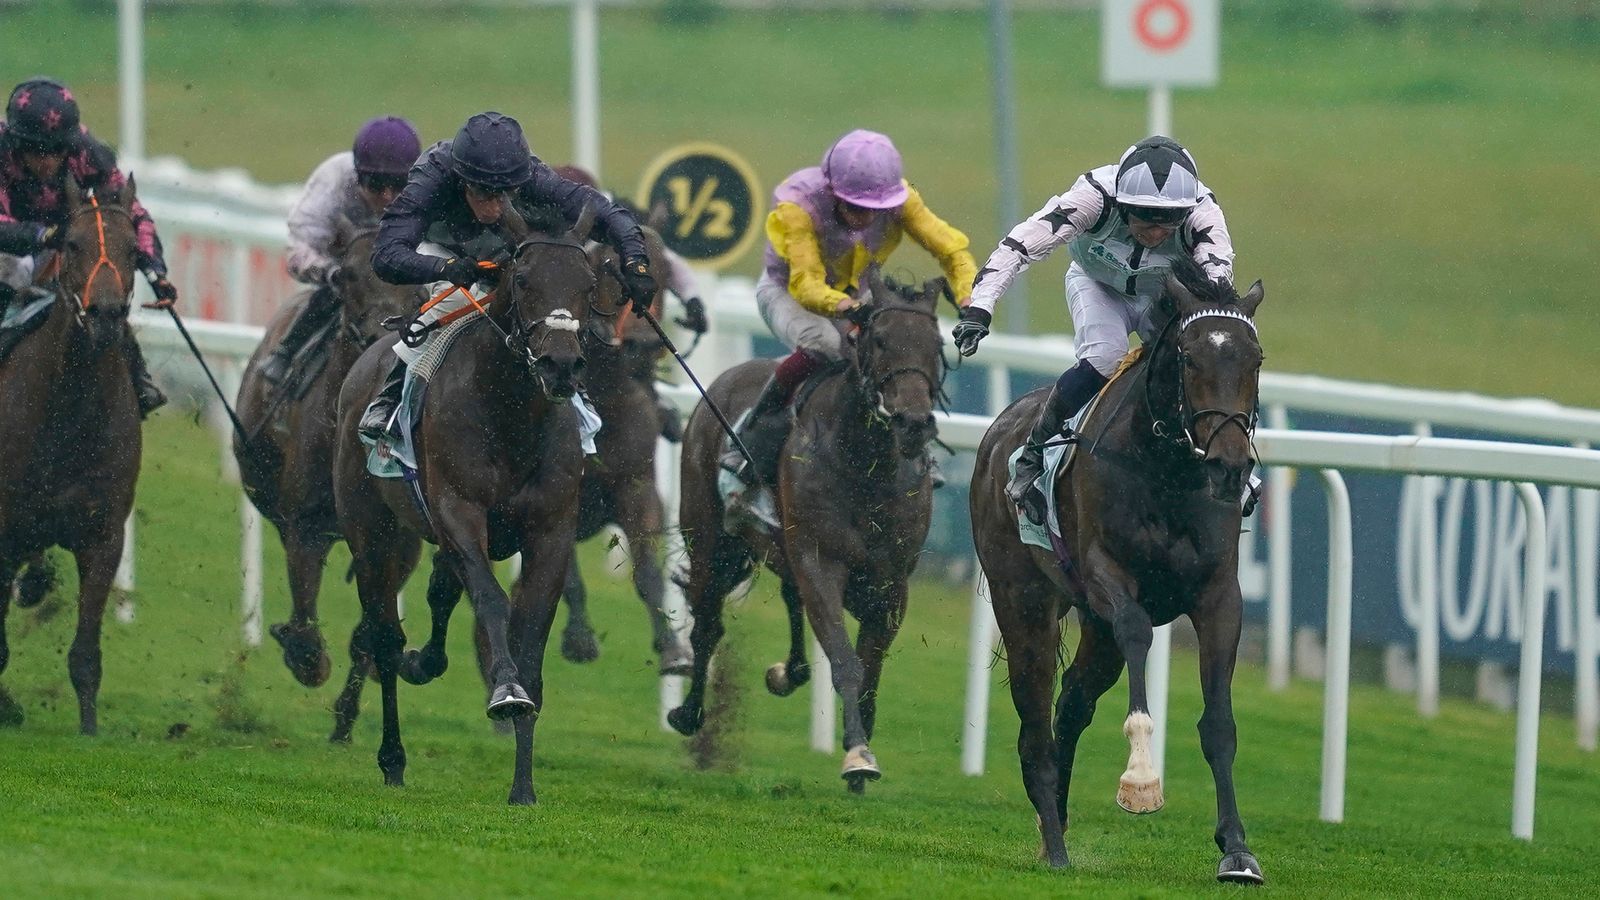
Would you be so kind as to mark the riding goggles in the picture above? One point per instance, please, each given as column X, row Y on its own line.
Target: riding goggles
column 1158, row 215
column 378, row 182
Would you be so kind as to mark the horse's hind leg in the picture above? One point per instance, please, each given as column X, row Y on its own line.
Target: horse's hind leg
column 1032, row 634
column 784, row 678
column 379, row 573
column 639, row 514
column 713, row 572
column 10, row 710
column 306, row 553
column 348, row 706
column 1094, row 669
column 97, row 566
column 578, row 643
column 444, row 592
column 1218, row 630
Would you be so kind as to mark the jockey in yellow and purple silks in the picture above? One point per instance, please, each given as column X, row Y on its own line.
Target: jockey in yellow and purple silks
column 828, row 223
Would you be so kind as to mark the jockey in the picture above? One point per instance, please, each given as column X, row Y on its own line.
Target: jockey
column 1125, row 223
column 828, row 224
column 452, row 198
column 42, row 145
column 356, row 186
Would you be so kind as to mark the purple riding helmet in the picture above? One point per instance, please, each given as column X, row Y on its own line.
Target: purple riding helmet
column 863, row 169
column 386, row 145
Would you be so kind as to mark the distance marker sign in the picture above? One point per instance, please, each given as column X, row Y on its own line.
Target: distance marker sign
column 1160, row 42
column 712, row 200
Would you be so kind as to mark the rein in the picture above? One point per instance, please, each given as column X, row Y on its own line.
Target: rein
column 105, row 259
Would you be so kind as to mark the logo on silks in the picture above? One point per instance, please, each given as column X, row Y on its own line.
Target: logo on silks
column 711, row 200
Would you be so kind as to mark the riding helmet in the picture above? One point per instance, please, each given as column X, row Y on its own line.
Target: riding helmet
column 863, row 169
column 42, row 115
column 1158, row 180
column 387, row 145
column 490, row 152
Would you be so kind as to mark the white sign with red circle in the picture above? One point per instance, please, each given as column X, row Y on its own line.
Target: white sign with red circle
column 1153, row 42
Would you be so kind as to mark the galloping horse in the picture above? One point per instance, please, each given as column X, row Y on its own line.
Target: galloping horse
column 855, row 501
column 499, row 466
column 287, row 467
column 1149, row 515
column 69, row 430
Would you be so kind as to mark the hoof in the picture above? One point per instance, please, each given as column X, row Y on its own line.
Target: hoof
column 421, row 666
column 508, row 701
column 686, row 721
column 579, row 645
column 35, row 585
column 856, row 784
column 1055, row 858
column 340, row 736
column 778, row 682
column 1140, row 797
column 303, row 653
column 860, row 765
column 394, row 779
column 1240, row 867
column 522, row 798
column 677, row 659
column 10, row 711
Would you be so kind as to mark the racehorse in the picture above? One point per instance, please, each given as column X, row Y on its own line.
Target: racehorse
column 1149, row 515
column 69, row 429
column 621, row 383
column 287, row 465
column 855, row 501
column 499, row 464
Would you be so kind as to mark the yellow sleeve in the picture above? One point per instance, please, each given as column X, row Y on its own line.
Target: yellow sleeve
column 947, row 244
column 795, row 240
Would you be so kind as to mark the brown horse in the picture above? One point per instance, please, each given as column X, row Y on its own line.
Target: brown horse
column 69, row 430
column 621, row 383
column 855, row 500
column 499, row 467
column 287, row 467
column 1149, row 515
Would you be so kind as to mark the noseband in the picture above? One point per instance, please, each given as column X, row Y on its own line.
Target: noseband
column 1184, row 436
column 516, row 339
column 873, row 387
column 81, row 299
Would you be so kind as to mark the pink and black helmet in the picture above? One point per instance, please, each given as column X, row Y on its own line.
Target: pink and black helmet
column 863, row 169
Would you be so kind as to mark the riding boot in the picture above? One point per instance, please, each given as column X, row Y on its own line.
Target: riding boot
column 376, row 421
column 6, row 293
column 762, row 433
column 321, row 302
column 150, row 396
column 1076, row 387
column 671, row 422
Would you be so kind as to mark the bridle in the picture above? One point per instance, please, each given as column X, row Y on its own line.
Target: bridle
column 1183, row 434
column 80, row 299
column 873, row 387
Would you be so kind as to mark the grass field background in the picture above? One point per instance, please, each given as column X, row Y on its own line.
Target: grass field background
column 252, row 800
column 1416, row 190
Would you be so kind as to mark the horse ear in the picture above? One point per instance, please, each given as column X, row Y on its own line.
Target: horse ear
column 872, row 280
column 934, row 289
column 658, row 215
column 343, row 231
column 126, row 196
column 1176, row 299
column 511, row 219
column 1252, row 299
column 74, row 193
column 584, row 225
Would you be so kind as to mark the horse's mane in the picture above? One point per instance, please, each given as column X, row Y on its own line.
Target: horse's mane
column 1212, row 292
column 904, row 291
column 545, row 217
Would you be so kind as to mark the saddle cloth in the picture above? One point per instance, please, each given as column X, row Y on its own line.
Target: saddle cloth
column 24, row 314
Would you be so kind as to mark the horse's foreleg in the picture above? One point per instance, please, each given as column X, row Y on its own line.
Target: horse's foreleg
column 784, row 678
column 97, row 565
column 578, row 642
column 463, row 529
column 304, row 653
column 1217, row 627
column 713, row 572
column 545, row 558
column 444, row 592
column 877, row 632
column 1094, row 669
column 348, row 706
column 1139, row 790
column 10, row 710
column 1032, row 635
column 822, row 584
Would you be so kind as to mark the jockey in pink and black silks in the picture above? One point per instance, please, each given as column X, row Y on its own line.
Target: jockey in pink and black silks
column 42, row 144
column 1125, row 224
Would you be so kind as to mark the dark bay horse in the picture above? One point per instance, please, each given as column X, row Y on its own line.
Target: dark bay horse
column 499, row 466
column 1150, row 517
column 69, row 430
column 621, row 383
column 855, row 501
column 287, row 469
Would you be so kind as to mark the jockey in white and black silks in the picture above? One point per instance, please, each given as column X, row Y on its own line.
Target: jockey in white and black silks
column 828, row 224
column 1125, row 224
column 42, row 145
column 450, row 206
column 353, row 186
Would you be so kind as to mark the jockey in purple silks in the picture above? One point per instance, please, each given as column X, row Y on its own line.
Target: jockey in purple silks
column 43, row 144
column 353, row 186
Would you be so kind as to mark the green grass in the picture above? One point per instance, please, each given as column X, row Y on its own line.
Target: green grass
column 252, row 801
column 1415, row 190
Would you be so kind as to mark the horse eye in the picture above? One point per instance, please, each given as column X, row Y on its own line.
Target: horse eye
column 880, row 341
column 521, row 279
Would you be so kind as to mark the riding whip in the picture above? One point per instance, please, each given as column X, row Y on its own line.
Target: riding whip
column 238, row 426
column 645, row 314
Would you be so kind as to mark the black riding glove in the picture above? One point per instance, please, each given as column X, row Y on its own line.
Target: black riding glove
column 50, row 237
column 638, row 283
column 166, row 294
column 973, row 327
column 461, row 271
column 694, row 316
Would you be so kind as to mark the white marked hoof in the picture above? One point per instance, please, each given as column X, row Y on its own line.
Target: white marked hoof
column 860, row 763
column 1140, row 797
column 509, row 701
column 1240, row 867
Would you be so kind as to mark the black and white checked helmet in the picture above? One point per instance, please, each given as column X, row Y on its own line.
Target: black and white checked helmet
column 1157, row 173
